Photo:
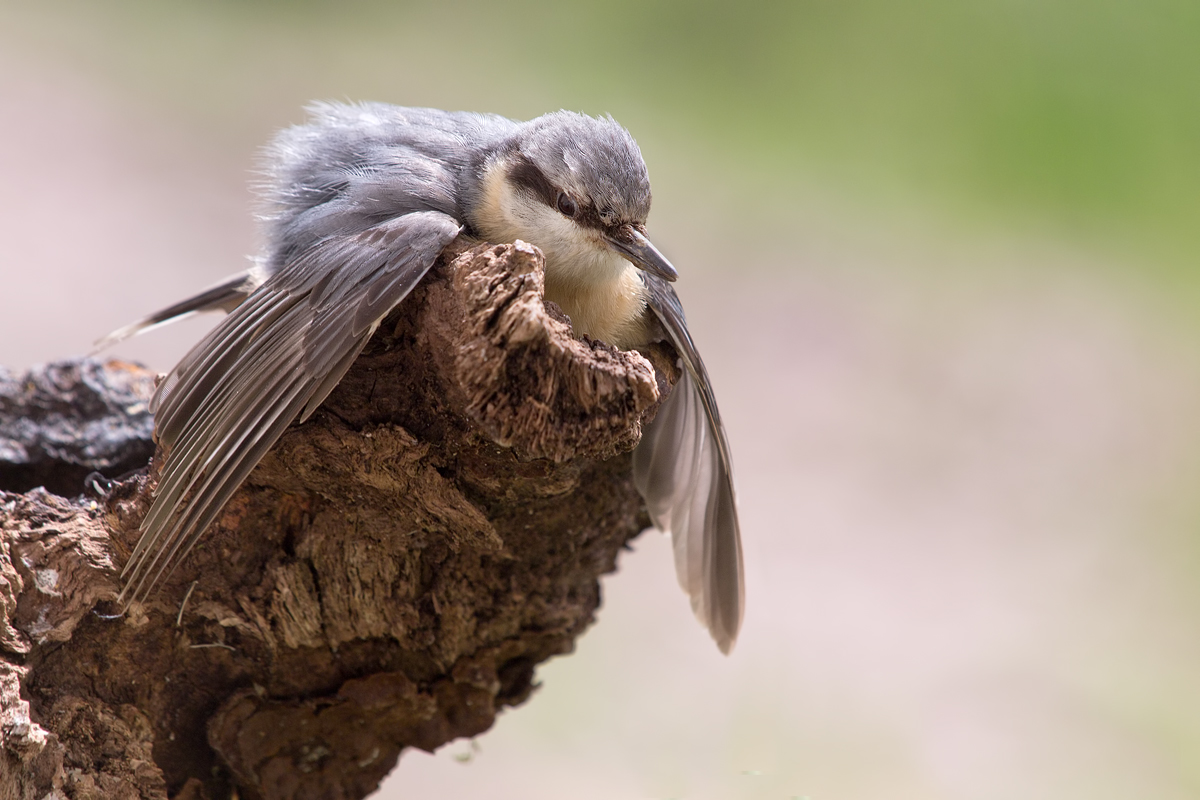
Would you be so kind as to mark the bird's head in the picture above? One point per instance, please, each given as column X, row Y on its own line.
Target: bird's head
column 577, row 187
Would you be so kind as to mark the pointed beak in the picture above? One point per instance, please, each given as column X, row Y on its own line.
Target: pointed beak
column 633, row 245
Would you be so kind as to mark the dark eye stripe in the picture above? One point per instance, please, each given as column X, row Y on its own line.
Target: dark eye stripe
column 526, row 175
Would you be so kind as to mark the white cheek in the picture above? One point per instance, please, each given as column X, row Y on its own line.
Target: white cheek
column 573, row 254
column 546, row 228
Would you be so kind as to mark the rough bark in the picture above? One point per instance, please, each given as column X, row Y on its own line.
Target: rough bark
column 388, row 577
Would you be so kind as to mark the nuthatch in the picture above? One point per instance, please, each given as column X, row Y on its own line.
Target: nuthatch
column 363, row 199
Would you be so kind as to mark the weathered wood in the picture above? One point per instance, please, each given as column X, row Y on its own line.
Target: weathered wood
column 389, row 576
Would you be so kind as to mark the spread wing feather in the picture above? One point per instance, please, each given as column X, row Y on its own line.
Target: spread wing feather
column 683, row 470
column 273, row 359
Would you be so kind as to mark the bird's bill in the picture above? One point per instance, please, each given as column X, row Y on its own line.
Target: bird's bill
column 633, row 244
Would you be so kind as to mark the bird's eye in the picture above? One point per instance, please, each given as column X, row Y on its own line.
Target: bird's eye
column 566, row 205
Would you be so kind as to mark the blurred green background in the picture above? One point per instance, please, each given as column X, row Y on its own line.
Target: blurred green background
column 942, row 259
column 1077, row 118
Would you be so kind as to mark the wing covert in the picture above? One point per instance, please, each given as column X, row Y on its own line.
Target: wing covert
column 275, row 358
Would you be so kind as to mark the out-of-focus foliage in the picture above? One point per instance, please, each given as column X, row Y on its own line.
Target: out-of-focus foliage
column 1059, row 116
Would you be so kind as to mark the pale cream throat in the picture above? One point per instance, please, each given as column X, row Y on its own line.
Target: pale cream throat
column 600, row 291
column 613, row 311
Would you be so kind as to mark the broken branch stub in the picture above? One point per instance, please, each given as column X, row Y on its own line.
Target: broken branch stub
column 389, row 576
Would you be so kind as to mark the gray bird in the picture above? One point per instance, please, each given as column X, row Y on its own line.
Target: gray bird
column 362, row 199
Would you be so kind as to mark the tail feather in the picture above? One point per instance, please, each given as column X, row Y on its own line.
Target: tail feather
column 223, row 296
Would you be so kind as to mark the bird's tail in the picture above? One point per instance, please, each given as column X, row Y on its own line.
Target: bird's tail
column 223, row 296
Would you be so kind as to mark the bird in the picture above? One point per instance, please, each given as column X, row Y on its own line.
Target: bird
column 360, row 200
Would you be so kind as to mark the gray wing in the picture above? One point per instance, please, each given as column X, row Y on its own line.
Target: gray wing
column 274, row 358
column 683, row 470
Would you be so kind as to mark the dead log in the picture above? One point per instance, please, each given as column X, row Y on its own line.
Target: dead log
column 389, row 576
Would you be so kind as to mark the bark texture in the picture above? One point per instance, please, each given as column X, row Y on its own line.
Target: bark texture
column 388, row 577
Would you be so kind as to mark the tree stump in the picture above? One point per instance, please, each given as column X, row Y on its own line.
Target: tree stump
column 389, row 576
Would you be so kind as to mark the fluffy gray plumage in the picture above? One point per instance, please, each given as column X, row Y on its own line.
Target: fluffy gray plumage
column 594, row 158
column 360, row 201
